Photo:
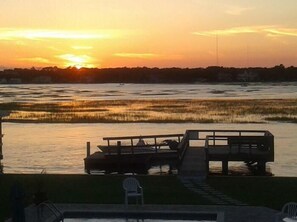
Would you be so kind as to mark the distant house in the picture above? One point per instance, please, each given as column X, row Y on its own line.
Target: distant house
column 10, row 72
column 3, row 81
column 247, row 76
column 198, row 80
column 88, row 79
column 225, row 77
column 43, row 80
column 15, row 81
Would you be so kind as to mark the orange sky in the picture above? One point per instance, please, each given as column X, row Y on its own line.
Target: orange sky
column 167, row 33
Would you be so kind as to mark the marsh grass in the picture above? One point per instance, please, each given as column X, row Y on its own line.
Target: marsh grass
column 283, row 119
column 158, row 111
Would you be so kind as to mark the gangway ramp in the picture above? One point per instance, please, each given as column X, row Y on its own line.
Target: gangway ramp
column 194, row 163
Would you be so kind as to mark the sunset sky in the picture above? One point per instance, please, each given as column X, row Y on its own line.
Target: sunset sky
column 152, row 33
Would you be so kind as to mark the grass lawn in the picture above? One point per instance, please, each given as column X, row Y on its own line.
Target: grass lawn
column 272, row 192
column 95, row 189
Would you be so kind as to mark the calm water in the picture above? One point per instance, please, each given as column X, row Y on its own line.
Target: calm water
column 60, row 148
column 69, row 92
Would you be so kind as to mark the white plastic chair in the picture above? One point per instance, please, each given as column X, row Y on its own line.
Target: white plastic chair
column 288, row 213
column 132, row 189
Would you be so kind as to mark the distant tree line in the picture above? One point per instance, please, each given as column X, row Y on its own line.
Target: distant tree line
column 148, row 75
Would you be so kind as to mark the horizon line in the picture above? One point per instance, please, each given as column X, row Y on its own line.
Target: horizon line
column 2, row 68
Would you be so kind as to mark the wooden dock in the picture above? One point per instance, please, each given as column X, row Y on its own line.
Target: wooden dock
column 195, row 150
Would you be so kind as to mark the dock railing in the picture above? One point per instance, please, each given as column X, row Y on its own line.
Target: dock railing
column 252, row 139
column 183, row 146
column 260, row 139
column 250, row 146
column 154, row 141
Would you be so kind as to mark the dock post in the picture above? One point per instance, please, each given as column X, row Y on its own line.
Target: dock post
column 87, row 169
column 119, row 147
column 225, row 167
column 261, row 167
column 88, row 149
column 1, row 144
column 207, row 166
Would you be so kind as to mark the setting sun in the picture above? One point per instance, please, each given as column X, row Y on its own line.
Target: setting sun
column 77, row 61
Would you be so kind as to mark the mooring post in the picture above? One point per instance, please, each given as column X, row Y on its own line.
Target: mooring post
column 88, row 149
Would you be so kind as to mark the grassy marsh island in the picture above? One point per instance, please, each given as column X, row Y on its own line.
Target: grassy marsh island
column 156, row 111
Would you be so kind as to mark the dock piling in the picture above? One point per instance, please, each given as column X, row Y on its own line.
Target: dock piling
column 225, row 167
column 119, row 147
column 88, row 149
column 261, row 167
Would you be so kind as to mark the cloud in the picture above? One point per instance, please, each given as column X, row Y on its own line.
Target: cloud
column 35, row 59
column 231, row 31
column 137, row 55
column 282, row 32
column 267, row 30
column 82, row 47
column 38, row 34
column 235, row 10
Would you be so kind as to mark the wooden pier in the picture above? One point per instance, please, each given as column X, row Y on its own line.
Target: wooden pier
column 195, row 150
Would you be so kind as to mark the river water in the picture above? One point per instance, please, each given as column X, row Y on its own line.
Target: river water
column 61, row 148
column 70, row 92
